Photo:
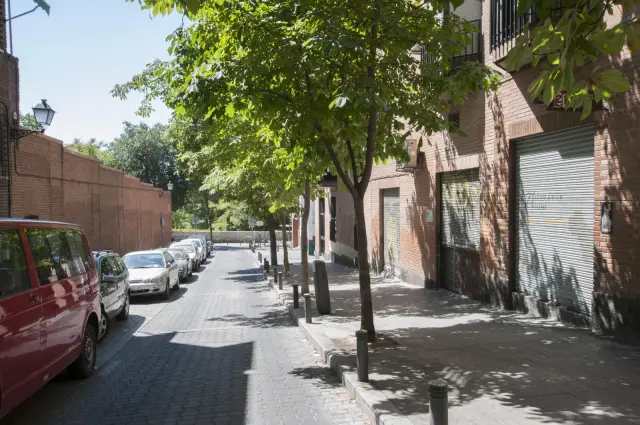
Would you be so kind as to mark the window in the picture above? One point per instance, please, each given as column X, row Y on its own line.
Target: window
column 178, row 255
column 121, row 265
column 45, row 266
column 79, row 251
column 144, row 261
column 167, row 258
column 12, row 264
column 109, row 267
column 332, row 222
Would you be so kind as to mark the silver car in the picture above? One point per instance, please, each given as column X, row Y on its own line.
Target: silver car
column 202, row 250
column 192, row 251
column 152, row 272
column 184, row 262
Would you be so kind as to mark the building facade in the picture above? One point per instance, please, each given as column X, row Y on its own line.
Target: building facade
column 533, row 209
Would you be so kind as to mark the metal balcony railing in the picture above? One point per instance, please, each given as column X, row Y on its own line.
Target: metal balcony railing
column 471, row 52
column 507, row 24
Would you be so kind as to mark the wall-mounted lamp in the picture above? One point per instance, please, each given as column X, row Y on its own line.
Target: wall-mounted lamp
column 43, row 114
column 170, row 187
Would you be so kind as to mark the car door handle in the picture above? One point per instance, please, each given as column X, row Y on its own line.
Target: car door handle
column 34, row 299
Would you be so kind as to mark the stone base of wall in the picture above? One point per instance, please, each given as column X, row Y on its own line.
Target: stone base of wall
column 536, row 307
column 616, row 316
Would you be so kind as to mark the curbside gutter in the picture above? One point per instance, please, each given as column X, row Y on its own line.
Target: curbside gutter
column 366, row 395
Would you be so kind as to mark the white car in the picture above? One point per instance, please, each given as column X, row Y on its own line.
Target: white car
column 202, row 250
column 191, row 249
column 152, row 272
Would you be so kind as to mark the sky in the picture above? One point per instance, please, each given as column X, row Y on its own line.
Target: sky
column 75, row 56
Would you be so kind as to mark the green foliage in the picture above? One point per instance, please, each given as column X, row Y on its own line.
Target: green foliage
column 143, row 151
column 94, row 149
column 29, row 121
column 568, row 47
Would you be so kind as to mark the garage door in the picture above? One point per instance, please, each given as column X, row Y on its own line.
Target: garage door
column 391, row 230
column 459, row 227
column 554, row 201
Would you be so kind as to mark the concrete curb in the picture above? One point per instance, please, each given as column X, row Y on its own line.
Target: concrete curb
column 366, row 395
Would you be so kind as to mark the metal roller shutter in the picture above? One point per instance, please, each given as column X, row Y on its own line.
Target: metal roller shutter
column 391, row 229
column 460, row 225
column 461, row 209
column 555, row 203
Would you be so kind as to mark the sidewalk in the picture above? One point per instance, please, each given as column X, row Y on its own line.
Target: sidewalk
column 502, row 367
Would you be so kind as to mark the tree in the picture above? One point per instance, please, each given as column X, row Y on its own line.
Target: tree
column 144, row 152
column 29, row 121
column 568, row 45
column 94, row 149
column 346, row 80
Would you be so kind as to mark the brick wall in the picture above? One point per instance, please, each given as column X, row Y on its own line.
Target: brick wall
column 116, row 211
column 491, row 122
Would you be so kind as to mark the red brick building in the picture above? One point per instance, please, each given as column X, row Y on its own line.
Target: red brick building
column 512, row 213
column 39, row 177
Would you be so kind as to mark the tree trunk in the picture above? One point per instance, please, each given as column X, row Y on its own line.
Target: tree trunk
column 366, row 305
column 273, row 242
column 304, row 238
column 285, row 252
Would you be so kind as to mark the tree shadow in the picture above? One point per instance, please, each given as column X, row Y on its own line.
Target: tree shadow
column 268, row 319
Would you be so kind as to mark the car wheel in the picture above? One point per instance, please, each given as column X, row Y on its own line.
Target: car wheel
column 104, row 324
column 84, row 365
column 177, row 285
column 124, row 313
column 167, row 290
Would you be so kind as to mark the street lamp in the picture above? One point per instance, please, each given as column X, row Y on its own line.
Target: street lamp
column 170, row 186
column 43, row 114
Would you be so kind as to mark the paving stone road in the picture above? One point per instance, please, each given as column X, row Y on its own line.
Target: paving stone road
column 220, row 351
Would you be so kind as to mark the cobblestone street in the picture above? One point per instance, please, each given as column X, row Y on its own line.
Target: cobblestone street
column 220, row 351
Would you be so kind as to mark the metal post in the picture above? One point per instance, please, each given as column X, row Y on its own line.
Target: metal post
column 275, row 275
column 280, row 281
column 266, row 265
column 362, row 355
column 438, row 402
column 259, row 257
column 307, row 307
column 296, row 302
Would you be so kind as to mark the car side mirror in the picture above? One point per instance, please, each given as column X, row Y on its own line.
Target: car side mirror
column 109, row 279
column 7, row 281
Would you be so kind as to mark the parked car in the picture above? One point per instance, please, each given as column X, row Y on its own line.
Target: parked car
column 202, row 252
column 152, row 272
column 191, row 249
column 206, row 245
column 184, row 262
column 115, row 298
column 49, row 306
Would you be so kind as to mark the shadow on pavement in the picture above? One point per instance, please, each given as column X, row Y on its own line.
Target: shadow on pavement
column 160, row 379
column 270, row 319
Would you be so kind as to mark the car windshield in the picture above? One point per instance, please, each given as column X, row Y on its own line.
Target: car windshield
column 197, row 242
column 187, row 247
column 177, row 254
column 144, row 261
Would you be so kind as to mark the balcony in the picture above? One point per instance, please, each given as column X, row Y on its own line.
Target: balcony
column 471, row 52
column 507, row 24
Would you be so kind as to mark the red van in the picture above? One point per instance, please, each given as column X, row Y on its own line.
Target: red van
column 49, row 306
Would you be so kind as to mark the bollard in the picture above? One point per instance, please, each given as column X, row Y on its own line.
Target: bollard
column 362, row 355
column 307, row 307
column 438, row 402
column 266, row 265
column 275, row 275
column 296, row 302
column 259, row 257
column 280, row 281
